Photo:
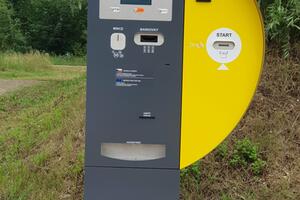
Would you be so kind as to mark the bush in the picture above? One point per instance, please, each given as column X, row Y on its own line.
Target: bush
column 282, row 19
column 246, row 154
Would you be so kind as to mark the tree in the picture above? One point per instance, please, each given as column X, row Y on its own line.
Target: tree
column 55, row 26
column 10, row 35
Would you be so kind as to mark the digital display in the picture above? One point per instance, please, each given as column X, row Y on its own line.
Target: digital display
column 137, row 2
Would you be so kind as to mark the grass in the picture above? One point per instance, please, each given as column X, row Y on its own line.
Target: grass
column 42, row 142
column 68, row 60
column 34, row 66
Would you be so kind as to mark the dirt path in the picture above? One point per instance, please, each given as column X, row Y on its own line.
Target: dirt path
column 11, row 85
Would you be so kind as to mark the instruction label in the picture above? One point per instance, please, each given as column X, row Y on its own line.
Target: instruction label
column 130, row 78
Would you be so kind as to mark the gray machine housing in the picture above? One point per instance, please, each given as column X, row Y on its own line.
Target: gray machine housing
column 133, row 102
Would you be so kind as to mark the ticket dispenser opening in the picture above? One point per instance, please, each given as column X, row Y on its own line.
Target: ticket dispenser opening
column 166, row 82
column 133, row 151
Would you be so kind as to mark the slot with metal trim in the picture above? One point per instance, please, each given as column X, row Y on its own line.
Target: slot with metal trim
column 224, row 45
column 151, row 39
column 133, row 151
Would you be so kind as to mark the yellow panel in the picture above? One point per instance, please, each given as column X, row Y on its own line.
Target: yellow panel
column 214, row 101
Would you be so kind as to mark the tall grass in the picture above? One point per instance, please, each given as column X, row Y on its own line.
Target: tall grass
column 36, row 66
column 29, row 62
column 68, row 60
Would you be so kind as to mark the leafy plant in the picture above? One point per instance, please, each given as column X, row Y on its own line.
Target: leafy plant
column 222, row 150
column 283, row 23
column 246, row 154
column 258, row 166
column 193, row 170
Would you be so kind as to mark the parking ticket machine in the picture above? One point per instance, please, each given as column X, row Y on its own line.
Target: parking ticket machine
column 167, row 81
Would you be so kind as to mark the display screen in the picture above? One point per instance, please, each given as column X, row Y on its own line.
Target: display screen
column 137, row 2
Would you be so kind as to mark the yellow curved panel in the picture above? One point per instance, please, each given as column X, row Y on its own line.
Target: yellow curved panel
column 215, row 100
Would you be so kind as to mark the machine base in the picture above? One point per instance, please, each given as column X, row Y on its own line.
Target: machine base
column 131, row 184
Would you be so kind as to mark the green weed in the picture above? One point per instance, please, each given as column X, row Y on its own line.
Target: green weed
column 258, row 166
column 246, row 154
column 192, row 171
column 222, row 150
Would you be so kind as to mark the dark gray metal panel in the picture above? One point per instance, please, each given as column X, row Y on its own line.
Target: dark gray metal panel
column 113, row 112
column 131, row 184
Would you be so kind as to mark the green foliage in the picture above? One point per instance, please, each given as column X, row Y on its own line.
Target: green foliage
column 10, row 35
column 54, row 26
column 222, row 150
column 258, row 166
column 245, row 154
column 193, row 171
column 282, row 19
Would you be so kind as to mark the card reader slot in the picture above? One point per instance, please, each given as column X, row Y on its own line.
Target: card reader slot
column 149, row 39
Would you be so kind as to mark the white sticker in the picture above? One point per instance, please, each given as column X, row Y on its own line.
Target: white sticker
column 224, row 46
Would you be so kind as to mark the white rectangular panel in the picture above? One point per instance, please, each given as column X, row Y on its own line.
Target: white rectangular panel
column 159, row 10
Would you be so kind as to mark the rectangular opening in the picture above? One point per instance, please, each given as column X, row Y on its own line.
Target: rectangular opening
column 149, row 38
column 224, row 45
column 133, row 151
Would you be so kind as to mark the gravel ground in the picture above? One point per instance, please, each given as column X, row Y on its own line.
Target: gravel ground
column 11, row 85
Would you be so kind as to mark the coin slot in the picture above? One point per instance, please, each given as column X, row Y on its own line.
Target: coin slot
column 224, row 45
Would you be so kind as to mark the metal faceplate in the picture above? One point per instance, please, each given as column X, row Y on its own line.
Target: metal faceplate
column 159, row 10
column 134, row 89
